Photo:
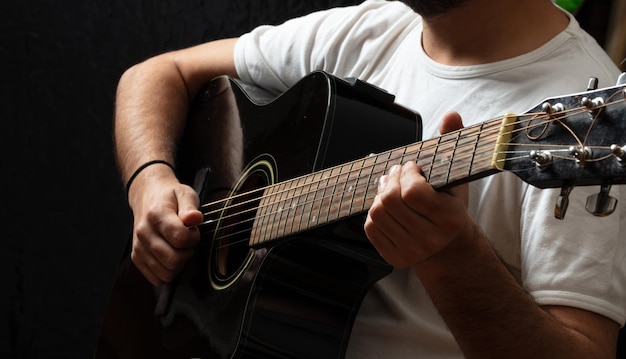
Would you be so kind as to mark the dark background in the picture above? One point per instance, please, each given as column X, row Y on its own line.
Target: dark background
column 64, row 216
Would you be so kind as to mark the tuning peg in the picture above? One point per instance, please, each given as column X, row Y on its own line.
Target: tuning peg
column 580, row 154
column 601, row 204
column 592, row 103
column 551, row 109
column 562, row 202
column 593, row 84
column 619, row 154
column 542, row 159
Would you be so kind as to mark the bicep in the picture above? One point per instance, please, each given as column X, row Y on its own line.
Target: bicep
column 199, row 64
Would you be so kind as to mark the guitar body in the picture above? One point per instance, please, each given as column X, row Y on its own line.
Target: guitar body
column 299, row 296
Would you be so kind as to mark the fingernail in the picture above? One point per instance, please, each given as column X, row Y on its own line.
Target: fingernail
column 382, row 181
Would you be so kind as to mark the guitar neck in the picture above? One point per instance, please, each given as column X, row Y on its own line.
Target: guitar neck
column 339, row 192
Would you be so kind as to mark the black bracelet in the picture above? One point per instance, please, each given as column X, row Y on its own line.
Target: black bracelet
column 143, row 167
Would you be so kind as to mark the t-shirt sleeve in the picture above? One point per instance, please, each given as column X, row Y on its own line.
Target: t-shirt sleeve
column 338, row 41
column 579, row 261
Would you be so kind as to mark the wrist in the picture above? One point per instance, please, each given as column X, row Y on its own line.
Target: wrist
column 145, row 167
column 460, row 255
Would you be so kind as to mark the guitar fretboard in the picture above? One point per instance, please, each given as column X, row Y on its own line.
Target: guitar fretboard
column 346, row 190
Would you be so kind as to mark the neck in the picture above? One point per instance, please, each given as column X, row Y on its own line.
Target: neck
column 484, row 31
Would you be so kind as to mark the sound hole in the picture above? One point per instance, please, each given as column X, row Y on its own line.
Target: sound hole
column 231, row 252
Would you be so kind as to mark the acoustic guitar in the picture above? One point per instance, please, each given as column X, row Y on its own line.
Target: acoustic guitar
column 283, row 263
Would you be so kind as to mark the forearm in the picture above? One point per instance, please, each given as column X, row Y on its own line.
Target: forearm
column 153, row 98
column 149, row 114
column 489, row 313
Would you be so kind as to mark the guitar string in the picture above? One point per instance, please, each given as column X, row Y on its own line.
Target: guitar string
column 317, row 181
column 424, row 149
column 495, row 126
column 301, row 205
column 288, row 223
column 487, row 151
column 434, row 167
column 608, row 100
column 496, row 123
column 595, row 112
column 331, row 211
column 320, row 200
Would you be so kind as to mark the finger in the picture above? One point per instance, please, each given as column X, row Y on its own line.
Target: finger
column 386, row 224
column 153, row 247
column 384, row 180
column 145, row 270
column 384, row 245
column 173, row 230
column 422, row 198
column 170, row 260
column 416, row 194
column 437, row 215
column 414, row 229
column 167, row 266
column 149, row 265
column 382, row 218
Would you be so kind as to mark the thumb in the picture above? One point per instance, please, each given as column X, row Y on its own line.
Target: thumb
column 188, row 212
column 450, row 121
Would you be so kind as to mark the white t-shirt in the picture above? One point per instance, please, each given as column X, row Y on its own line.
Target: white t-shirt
column 579, row 261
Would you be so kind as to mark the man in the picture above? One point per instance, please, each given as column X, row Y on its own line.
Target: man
column 451, row 294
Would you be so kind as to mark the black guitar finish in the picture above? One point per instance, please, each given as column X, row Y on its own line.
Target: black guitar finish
column 297, row 299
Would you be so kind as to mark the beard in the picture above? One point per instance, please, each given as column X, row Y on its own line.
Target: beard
column 429, row 8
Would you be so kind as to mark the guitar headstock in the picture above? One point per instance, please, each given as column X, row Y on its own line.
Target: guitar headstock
column 567, row 141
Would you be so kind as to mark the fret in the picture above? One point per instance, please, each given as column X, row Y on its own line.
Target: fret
column 365, row 174
column 270, row 213
column 416, row 150
column 285, row 210
column 452, row 158
column 329, row 185
column 431, row 166
column 426, row 157
column 347, row 195
column 317, row 199
column 483, row 149
column 273, row 211
column 462, row 155
column 307, row 203
column 363, row 183
column 282, row 208
column 382, row 163
column 345, row 188
column 260, row 225
column 483, row 152
column 475, row 139
column 296, row 205
column 442, row 159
